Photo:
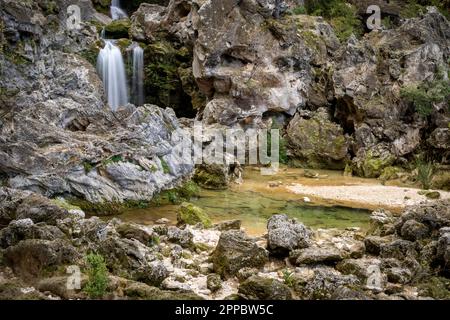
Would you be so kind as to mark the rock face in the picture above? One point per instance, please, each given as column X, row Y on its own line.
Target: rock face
column 62, row 137
column 236, row 251
column 285, row 235
column 367, row 82
column 248, row 64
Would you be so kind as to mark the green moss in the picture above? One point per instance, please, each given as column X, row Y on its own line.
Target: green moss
column 88, row 167
column 98, row 208
column 102, row 6
column 190, row 214
column 373, row 165
column 91, row 54
column 441, row 180
column 169, row 80
column 435, row 287
column 390, row 173
column 209, row 180
column 62, row 203
column 118, row 29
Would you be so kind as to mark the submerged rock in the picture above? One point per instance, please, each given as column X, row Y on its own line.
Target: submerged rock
column 190, row 214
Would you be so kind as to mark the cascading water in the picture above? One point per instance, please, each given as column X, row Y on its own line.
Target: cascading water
column 137, row 83
column 111, row 69
column 116, row 11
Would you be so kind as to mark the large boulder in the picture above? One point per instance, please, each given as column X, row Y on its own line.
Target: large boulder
column 23, row 229
column 318, row 141
column 133, row 259
column 30, row 258
column 285, row 235
column 234, row 251
column 17, row 205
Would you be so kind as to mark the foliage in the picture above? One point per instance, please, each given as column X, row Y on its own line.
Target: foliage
column 97, row 276
column 288, row 278
column 113, row 159
column 425, row 172
column 414, row 8
column 340, row 14
column 154, row 241
column 299, row 10
column 425, row 94
column 165, row 166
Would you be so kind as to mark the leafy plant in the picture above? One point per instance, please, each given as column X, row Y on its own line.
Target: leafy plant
column 288, row 278
column 425, row 172
column 340, row 14
column 299, row 10
column 113, row 159
column 97, row 276
column 155, row 240
column 425, row 94
column 165, row 166
column 415, row 8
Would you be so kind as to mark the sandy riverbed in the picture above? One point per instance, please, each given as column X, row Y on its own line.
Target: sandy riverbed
column 368, row 195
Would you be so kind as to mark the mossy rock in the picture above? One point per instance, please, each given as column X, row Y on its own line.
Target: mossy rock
column 432, row 195
column 441, row 180
column 435, row 287
column 190, row 214
column 118, row 29
column 262, row 288
column 102, row 6
column 142, row 291
column 373, row 162
column 391, row 173
column 63, row 204
column 211, row 177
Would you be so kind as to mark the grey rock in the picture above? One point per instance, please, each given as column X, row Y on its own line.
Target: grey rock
column 234, row 251
column 262, row 288
column 180, row 236
column 285, row 235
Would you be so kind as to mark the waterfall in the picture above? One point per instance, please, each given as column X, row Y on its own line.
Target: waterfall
column 116, row 11
column 111, row 69
column 137, row 83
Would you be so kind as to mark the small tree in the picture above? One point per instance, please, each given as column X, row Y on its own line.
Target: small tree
column 97, row 276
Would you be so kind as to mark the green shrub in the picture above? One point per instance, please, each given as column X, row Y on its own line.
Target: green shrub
column 299, row 10
column 340, row 14
column 425, row 94
column 288, row 278
column 97, row 276
column 415, row 8
column 165, row 166
column 425, row 172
